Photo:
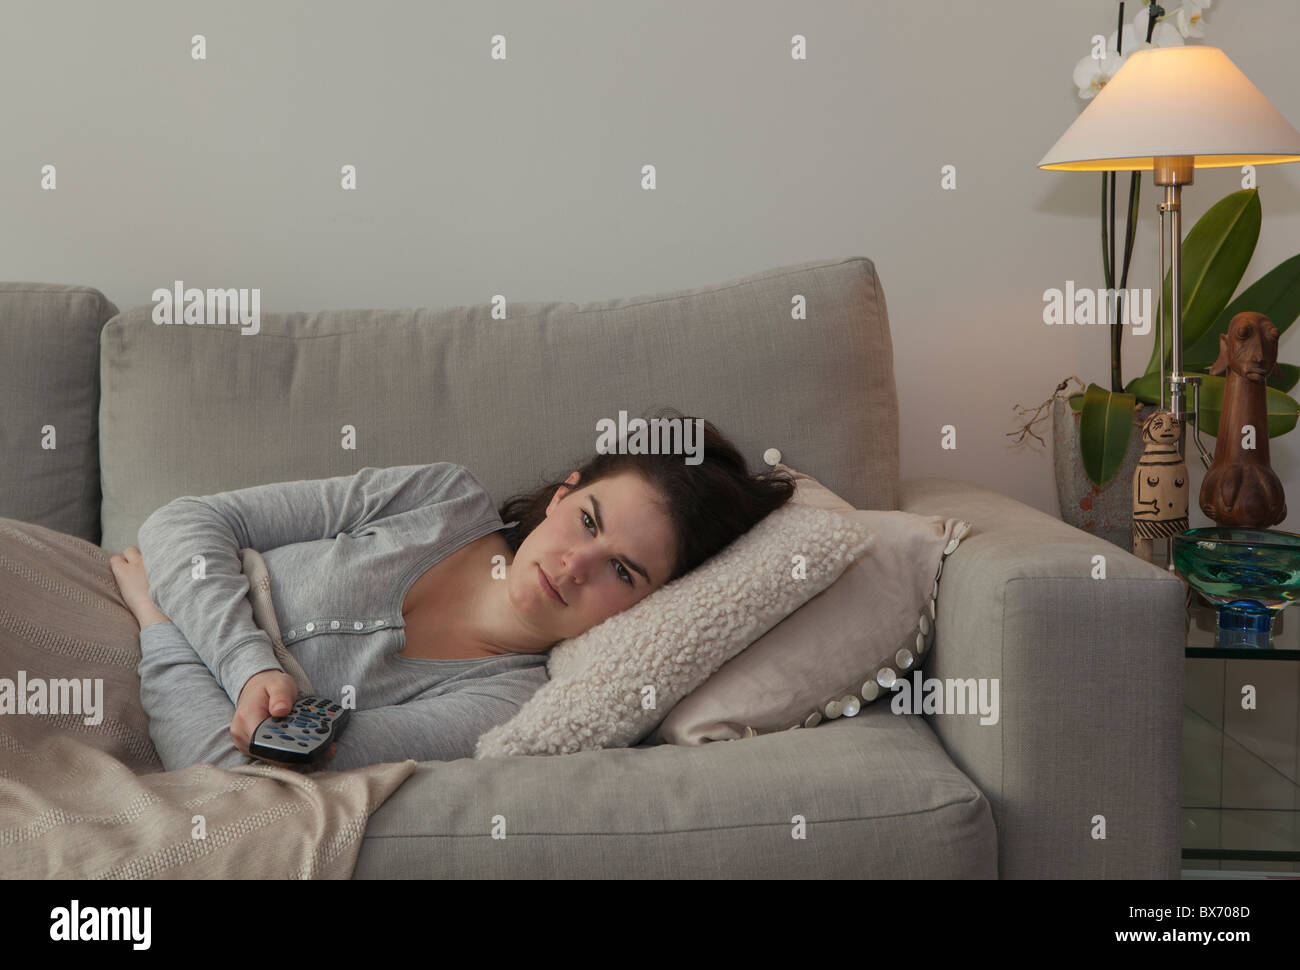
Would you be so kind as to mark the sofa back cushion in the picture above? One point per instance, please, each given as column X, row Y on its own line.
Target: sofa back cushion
column 49, row 405
column 192, row 409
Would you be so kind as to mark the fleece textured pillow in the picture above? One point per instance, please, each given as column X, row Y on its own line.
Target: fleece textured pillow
column 612, row 684
column 843, row 648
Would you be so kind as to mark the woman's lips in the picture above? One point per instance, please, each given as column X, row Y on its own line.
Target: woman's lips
column 546, row 585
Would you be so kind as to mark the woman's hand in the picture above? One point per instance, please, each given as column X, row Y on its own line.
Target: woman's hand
column 271, row 693
column 133, row 582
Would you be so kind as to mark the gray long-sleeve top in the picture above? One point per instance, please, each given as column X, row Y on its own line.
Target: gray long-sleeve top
column 342, row 554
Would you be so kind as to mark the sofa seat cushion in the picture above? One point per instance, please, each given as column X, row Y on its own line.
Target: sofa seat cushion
column 879, row 796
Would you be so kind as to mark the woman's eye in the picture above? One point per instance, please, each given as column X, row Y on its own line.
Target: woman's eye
column 619, row 568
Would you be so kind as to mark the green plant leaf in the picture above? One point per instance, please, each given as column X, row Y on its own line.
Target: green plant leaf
column 1105, row 427
column 1282, row 408
column 1215, row 256
column 1287, row 379
column 1276, row 294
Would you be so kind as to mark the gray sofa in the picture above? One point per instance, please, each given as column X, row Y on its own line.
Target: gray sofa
column 1090, row 671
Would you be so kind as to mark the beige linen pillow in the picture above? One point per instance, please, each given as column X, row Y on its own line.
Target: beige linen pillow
column 843, row 648
column 613, row 683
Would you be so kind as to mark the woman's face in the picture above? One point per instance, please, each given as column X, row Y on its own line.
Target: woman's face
column 590, row 546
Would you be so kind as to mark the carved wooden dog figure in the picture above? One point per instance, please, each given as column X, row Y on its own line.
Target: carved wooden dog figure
column 1240, row 487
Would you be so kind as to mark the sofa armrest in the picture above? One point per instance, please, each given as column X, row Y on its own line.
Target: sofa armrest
column 1090, row 687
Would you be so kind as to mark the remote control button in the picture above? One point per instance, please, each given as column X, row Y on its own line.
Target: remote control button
column 302, row 744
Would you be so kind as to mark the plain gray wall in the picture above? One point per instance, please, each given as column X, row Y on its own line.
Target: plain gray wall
column 522, row 177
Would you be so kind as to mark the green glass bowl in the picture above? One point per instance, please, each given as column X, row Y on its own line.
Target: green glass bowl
column 1249, row 574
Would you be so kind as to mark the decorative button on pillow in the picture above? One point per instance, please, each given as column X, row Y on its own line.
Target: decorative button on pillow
column 842, row 649
column 612, row 684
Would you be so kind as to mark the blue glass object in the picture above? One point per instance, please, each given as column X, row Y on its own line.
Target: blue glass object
column 1249, row 574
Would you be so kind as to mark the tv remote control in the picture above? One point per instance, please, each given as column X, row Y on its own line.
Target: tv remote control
column 304, row 734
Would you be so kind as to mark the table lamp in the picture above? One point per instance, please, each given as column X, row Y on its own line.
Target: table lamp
column 1171, row 110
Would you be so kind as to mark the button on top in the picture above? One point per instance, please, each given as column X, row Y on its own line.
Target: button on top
column 310, row 627
column 334, row 624
column 357, row 625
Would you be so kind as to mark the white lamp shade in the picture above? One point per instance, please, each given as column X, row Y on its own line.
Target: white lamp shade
column 1175, row 101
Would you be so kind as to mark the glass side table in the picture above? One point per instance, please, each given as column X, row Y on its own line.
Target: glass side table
column 1241, row 745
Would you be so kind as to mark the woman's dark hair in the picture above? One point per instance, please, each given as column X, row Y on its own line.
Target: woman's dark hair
column 710, row 504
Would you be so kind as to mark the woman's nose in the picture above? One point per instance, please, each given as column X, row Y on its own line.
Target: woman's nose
column 576, row 565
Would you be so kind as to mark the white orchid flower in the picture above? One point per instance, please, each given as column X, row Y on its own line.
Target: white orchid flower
column 1190, row 19
column 1092, row 73
column 1135, row 34
column 1165, row 34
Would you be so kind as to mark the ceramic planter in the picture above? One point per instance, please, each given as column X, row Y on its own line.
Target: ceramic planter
column 1106, row 511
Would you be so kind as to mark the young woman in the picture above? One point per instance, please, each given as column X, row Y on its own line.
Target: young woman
column 404, row 594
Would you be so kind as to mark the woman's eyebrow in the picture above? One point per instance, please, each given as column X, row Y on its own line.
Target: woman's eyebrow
column 600, row 526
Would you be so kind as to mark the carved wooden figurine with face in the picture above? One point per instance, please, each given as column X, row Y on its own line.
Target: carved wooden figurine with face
column 1241, row 489
column 1159, row 485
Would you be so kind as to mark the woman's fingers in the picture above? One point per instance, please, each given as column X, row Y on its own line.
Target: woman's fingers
column 281, row 696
